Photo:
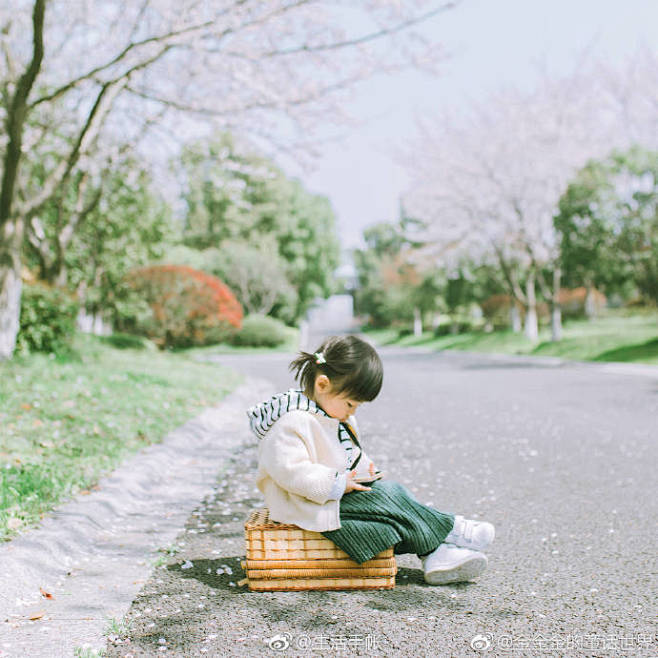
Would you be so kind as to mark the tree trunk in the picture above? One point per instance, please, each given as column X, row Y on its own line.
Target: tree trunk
column 10, row 308
column 515, row 317
column 556, row 324
column 531, row 326
column 11, row 228
column 418, row 322
column 590, row 307
column 10, row 287
column 99, row 326
column 556, row 309
column 62, row 277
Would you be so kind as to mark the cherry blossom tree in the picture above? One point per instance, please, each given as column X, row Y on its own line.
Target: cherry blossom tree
column 490, row 180
column 81, row 80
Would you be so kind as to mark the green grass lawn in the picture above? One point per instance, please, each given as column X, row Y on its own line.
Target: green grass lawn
column 619, row 336
column 65, row 422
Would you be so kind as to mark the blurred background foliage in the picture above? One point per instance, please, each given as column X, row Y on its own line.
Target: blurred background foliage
column 274, row 243
column 606, row 223
column 523, row 207
column 276, row 247
column 245, row 223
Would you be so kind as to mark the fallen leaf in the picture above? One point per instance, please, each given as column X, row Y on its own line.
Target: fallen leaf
column 46, row 595
column 26, row 405
column 37, row 615
column 37, row 422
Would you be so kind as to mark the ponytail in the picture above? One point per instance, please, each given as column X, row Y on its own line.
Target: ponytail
column 352, row 365
column 306, row 367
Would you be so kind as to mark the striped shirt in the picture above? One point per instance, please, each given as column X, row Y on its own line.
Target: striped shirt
column 263, row 415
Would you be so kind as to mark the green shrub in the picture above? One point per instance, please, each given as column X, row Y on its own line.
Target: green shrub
column 47, row 320
column 260, row 331
column 443, row 330
column 456, row 327
column 128, row 341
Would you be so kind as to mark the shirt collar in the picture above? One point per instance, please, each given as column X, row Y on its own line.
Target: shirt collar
column 263, row 415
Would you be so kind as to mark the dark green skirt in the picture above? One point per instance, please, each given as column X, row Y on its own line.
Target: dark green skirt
column 388, row 515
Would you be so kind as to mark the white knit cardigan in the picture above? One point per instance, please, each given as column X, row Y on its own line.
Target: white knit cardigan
column 300, row 458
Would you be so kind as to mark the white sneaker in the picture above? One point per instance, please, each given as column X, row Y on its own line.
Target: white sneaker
column 452, row 564
column 476, row 535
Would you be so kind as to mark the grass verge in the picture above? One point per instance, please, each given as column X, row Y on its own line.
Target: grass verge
column 618, row 336
column 67, row 421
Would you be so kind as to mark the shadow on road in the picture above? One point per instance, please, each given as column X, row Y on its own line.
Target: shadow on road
column 205, row 572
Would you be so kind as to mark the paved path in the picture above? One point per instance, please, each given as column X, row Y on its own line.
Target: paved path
column 561, row 458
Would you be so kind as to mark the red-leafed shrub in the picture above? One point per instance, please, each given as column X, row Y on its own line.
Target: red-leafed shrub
column 573, row 301
column 187, row 307
column 497, row 309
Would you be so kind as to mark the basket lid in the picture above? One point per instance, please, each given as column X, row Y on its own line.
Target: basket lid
column 260, row 518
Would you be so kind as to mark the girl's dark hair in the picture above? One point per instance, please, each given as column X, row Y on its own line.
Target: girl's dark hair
column 352, row 365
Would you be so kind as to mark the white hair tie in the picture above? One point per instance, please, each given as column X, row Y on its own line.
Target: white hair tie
column 319, row 358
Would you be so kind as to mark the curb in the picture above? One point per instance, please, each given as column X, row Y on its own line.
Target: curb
column 609, row 367
column 94, row 553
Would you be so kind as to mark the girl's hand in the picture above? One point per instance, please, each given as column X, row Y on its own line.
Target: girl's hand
column 372, row 468
column 351, row 485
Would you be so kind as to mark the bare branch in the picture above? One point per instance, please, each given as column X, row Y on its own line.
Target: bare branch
column 99, row 110
column 372, row 36
column 138, row 19
column 261, row 105
column 80, row 212
column 106, row 96
column 115, row 60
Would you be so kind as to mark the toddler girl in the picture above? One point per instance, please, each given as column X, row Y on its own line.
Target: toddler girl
column 310, row 458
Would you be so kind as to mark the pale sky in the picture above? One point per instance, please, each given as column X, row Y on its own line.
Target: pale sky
column 490, row 42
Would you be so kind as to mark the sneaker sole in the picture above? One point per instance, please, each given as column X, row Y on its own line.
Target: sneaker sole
column 471, row 568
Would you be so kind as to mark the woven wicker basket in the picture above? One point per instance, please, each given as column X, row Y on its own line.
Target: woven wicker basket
column 282, row 556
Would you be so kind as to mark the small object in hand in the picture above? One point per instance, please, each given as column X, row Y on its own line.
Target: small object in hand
column 369, row 478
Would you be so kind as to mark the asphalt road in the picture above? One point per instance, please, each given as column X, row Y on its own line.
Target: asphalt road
column 560, row 458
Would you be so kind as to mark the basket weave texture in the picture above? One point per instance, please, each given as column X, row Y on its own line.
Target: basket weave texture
column 284, row 557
